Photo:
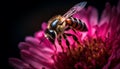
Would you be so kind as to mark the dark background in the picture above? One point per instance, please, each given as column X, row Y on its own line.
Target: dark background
column 23, row 18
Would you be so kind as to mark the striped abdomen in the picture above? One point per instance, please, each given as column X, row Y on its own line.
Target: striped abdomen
column 76, row 24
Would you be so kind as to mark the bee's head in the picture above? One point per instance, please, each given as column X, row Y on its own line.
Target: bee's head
column 50, row 34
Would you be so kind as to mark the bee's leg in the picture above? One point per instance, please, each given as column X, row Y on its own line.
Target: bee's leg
column 73, row 36
column 67, row 28
column 59, row 42
column 70, row 28
column 67, row 42
column 74, row 31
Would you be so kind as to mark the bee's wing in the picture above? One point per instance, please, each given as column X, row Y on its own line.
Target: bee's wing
column 75, row 9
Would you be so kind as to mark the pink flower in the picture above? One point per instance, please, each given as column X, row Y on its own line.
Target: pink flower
column 98, row 48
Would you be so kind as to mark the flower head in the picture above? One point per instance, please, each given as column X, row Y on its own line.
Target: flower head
column 99, row 47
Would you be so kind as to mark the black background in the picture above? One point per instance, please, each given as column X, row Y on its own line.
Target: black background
column 23, row 18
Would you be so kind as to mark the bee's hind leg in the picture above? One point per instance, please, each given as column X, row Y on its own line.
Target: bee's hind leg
column 67, row 42
column 59, row 39
column 73, row 36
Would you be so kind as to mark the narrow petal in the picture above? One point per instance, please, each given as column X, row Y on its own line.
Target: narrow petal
column 34, row 60
column 117, row 66
column 42, row 54
column 24, row 45
column 93, row 17
column 105, row 17
column 19, row 64
column 32, row 41
column 44, row 26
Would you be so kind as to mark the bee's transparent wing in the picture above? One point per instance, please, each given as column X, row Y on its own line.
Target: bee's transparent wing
column 75, row 9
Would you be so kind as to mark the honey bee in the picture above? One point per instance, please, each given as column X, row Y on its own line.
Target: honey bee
column 58, row 24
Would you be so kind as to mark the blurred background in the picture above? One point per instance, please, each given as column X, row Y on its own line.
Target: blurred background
column 23, row 18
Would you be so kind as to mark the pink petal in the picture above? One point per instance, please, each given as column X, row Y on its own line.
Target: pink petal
column 39, row 34
column 34, row 60
column 24, row 45
column 117, row 66
column 39, row 43
column 93, row 16
column 44, row 54
column 105, row 17
column 102, row 30
column 33, row 41
column 18, row 64
column 44, row 26
column 91, row 19
column 114, row 58
column 57, row 46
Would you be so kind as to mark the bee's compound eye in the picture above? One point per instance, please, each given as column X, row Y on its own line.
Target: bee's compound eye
column 54, row 23
column 50, row 34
